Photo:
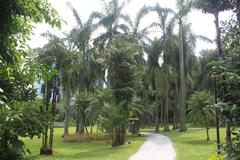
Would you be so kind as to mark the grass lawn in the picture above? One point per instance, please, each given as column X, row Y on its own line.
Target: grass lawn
column 96, row 150
column 192, row 145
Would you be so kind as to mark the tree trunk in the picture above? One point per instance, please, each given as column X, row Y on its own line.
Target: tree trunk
column 66, row 124
column 156, row 106
column 91, row 129
column 175, row 107
column 67, row 103
column 77, row 121
column 166, row 127
column 218, row 35
column 238, row 11
column 182, row 97
column 81, row 124
column 54, row 103
column 118, row 138
column 162, row 111
column 47, row 97
column 207, row 129
column 228, row 137
column 85, row 125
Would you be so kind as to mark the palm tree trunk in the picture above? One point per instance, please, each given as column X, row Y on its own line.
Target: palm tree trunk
column 175, row 107
column 162, row 111
column 81, row 125
column 67, row 99
column 156, row 106
column 218, row 41
column 182, row 97
column 47, row 98
column 228, row 137
column 238, row 11
column 77, row 121
column 207, row 129
column 85, row 125
column 54, row 103
column 91, row 129
column 66, row 124
column 166, row 127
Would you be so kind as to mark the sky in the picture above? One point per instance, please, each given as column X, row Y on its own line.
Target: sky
column 202, row 24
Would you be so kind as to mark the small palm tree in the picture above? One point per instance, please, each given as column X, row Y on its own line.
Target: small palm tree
column 200, row 110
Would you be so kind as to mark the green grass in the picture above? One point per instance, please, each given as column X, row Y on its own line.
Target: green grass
column 192, row 145
column 96, row 150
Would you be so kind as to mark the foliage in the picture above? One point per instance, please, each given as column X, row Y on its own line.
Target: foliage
column 235, row 154
column 17, row 75
column 213, row 6
column 16, row 25
column 26, row 121
column 199, row 105
column 200, row 109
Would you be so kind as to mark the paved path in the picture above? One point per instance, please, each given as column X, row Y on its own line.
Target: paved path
column 156, row 147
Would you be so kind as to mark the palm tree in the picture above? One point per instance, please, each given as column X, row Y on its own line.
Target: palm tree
column 135, row 33
column 184, row 8
column 52, row 55
column 154, row 52
column 168, row 43
column 109, row 19
column 90, row 71
column 68, row 81
column 83, row 101
column 200, row 110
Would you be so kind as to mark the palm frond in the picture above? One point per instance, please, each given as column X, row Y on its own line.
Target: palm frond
column 75, row 14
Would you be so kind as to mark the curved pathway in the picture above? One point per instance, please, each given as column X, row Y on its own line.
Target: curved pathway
column 156, row 147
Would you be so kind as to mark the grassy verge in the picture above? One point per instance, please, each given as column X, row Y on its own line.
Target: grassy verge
column 100, row 150
column 192, row 145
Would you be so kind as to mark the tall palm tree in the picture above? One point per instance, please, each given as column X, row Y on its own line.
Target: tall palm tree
column 90, row 71
column 166, row 25
column 154, row 53
column 184, row 8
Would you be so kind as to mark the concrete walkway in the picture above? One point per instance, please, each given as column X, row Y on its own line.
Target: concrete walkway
column 156, row 147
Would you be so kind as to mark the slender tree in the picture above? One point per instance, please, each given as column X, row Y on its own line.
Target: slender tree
column 183, row 10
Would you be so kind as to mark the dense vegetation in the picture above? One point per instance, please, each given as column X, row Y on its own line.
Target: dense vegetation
column 115, row 80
